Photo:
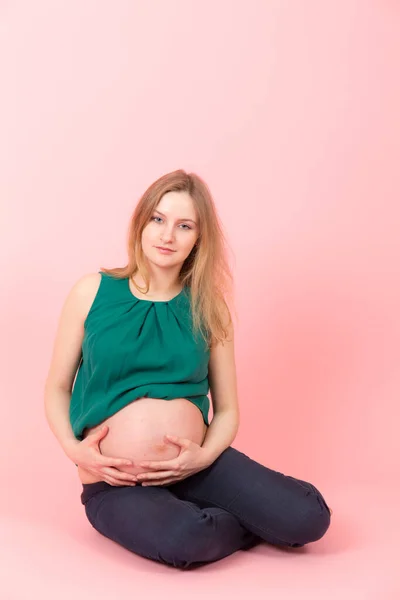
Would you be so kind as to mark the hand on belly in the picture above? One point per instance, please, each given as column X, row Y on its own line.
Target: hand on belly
column 137, row 432
column 137, row 449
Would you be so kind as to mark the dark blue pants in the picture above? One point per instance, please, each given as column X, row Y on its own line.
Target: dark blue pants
column 233, row 504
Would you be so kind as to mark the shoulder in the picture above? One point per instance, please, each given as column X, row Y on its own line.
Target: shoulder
column 87, row 285
column 84, row 291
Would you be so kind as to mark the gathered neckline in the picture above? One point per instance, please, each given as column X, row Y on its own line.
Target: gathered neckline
column 152, row 301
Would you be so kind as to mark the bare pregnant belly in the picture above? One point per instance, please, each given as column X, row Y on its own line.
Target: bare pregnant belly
column 136, row 432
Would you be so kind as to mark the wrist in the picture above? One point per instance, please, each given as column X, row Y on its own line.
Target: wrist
column 69, row 448
column 208, row 457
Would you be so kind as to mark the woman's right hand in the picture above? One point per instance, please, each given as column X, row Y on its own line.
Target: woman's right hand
column 87, row 455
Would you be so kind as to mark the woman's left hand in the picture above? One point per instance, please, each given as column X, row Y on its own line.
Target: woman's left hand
column 192, row 459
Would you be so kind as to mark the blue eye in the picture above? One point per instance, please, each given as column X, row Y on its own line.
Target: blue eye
column 184, row 224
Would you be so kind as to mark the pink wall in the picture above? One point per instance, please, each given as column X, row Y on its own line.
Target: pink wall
column 290, row 111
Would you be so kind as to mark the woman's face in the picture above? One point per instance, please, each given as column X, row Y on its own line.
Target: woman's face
column 173, row 224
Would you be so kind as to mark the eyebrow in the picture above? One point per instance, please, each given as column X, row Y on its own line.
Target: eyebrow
column 160, row 213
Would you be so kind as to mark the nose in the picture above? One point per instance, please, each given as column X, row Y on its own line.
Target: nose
column 166, row 236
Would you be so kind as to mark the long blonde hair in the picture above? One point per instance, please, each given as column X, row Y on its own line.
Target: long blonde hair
column 206, row 271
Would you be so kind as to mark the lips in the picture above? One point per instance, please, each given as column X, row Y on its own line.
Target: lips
column 161, row 248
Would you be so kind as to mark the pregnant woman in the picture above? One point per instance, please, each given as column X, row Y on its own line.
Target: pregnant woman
column 137, row 350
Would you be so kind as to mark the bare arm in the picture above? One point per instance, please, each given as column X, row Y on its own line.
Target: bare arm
column 223, row 385
column 57, row 401
column 67, row 353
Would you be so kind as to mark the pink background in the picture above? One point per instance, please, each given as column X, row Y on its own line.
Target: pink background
column 290, row 112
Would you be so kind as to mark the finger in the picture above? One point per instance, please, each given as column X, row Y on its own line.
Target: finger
column 108, row 461
column 163, row 464
column 152, row 476
column 118, row 475
column 177, row 440
column 116, row 483
column 99, row 433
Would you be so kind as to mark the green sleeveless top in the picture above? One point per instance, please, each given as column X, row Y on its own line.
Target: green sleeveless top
column 134, row 348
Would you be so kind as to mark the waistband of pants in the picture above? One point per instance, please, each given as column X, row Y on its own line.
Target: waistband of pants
column 91, row 489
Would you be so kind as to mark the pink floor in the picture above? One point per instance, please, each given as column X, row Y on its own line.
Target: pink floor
column 56, row 555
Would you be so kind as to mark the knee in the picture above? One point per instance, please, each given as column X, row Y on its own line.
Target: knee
column 311, row 522
column 196, row 543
